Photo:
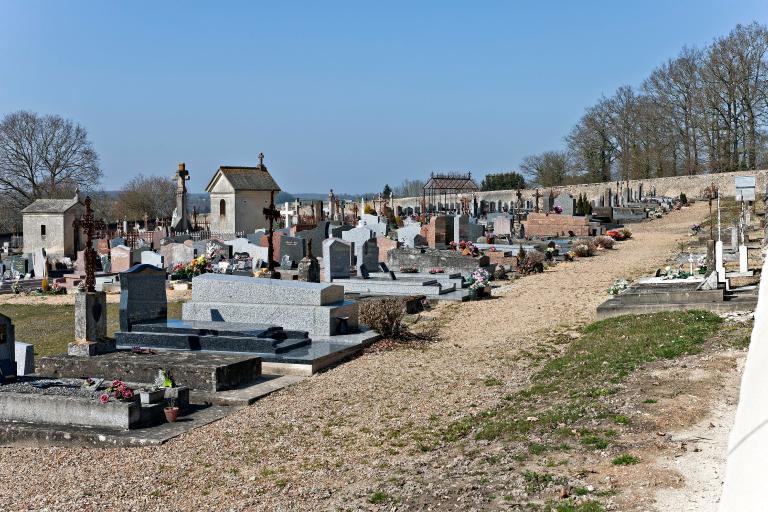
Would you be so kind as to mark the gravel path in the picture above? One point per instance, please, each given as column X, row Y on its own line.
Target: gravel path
column 337, row 439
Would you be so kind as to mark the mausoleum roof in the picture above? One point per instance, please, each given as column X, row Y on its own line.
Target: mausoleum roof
column 51, row 205
column 246, row 178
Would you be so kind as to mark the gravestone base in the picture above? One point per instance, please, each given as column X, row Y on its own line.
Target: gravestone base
column 91, row 348
column 90, row 316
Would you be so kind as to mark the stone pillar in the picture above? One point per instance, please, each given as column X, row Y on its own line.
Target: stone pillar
column 90, row 326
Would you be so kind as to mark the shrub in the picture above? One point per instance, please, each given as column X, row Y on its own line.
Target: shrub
column 384, row 316
column 604, row 242
column 683, row 198
column 584, row 248
column 532, row 263
column 368, row 210
column 625, row 460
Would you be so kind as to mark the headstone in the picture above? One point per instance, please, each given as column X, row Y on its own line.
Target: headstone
column 336, row 231
column 106, row 265
column 7, row 348
column 358, row 235
column 292, row 247
column 142, row 296
column 39, row 262
column 152, row 258
column 18, row 265
column 566, row 202
column 121, row 258
column 116, row 242
column 405, row 235
column 546, row 202
column 137, row 252
column 173, row 254
column 216, row 250
column 25, row 358
column 460, row 228
column 309, row 269
column 337, row 256
column 364, row 272
column 367, row 253
column 317, row 234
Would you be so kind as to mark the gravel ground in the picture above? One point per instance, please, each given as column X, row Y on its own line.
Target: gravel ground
column 359, row 433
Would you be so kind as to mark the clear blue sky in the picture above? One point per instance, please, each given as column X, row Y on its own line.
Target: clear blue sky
column 342, row 95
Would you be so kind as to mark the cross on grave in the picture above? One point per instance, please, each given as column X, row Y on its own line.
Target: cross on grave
column 261, row 159
column 537, row 196
column 88, row 224
column 272, row 214
column 355, row 210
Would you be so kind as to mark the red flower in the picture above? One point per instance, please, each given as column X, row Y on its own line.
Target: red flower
column 104, row 398
column 127, row 393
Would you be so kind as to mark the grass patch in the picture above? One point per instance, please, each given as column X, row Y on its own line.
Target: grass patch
column 620, row 419
column 492, row 381
column 49, row 327
column 573, row 387
column 625, row 460
column 378, row 497
column 650, row 401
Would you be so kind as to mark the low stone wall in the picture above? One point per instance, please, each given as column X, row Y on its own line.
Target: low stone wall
column 672, row 186
column 542, row 224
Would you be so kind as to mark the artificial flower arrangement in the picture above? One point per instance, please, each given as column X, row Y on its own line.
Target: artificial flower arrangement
column 675, row 273
column 408, row 270
column 197, row 266
column 619, row 234
column 479, row 279
column 54, row 289
column 618, row 286
column 569, row 256
column 492, row 248
column 557, row 209
column 465, row 247
column 118, row 390
column 437, row 270
column 696, row 229
column 16, row 287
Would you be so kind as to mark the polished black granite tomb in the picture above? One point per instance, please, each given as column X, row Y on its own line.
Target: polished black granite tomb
column 213, row 337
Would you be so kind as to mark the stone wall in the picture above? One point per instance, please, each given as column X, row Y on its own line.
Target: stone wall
column 692, row 186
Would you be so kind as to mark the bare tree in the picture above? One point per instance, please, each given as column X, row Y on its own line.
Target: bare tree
column 146, row 195
column 44, row 156
column 547, row 169
column 409, row 188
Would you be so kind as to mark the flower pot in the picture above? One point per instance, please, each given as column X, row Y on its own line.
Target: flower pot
column 171, row 414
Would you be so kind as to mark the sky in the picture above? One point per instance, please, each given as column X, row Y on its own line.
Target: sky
column 342, row 95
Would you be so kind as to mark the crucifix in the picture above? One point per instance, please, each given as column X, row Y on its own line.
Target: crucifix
column 355, row 210
column 272, row 214
column 89, row 225
column 537, row 196
column 261, row 159
column 711, row 192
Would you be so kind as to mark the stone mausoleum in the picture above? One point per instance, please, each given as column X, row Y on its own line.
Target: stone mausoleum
column 48, row 224
column 238, row 198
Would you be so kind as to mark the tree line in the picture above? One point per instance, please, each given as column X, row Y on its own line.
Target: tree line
column 704, row 111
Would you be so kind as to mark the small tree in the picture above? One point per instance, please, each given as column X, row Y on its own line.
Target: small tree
column 387, row 191
column 683, row 198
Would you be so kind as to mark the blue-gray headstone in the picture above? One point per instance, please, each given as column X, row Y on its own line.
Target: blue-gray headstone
column 142, row 296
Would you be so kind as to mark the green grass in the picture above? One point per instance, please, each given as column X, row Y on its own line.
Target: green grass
column 621, row 419
column 572, row 387
column 378, row 497
column 50, row 327
column 650, row 401
column 492, row 381
column 625, row 460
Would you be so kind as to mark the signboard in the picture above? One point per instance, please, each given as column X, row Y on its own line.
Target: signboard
column 745, row 188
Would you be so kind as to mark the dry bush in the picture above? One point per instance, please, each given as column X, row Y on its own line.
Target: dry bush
column 584, row 248
column 384, row 316
column 605, row 242
column 533, row 262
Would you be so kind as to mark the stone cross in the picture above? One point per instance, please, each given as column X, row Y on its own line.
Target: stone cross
column 261, row 159
column 182, row 176
column 537, row 196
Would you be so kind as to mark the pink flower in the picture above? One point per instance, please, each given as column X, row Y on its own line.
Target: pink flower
column 104, row 398
column 127, row 393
